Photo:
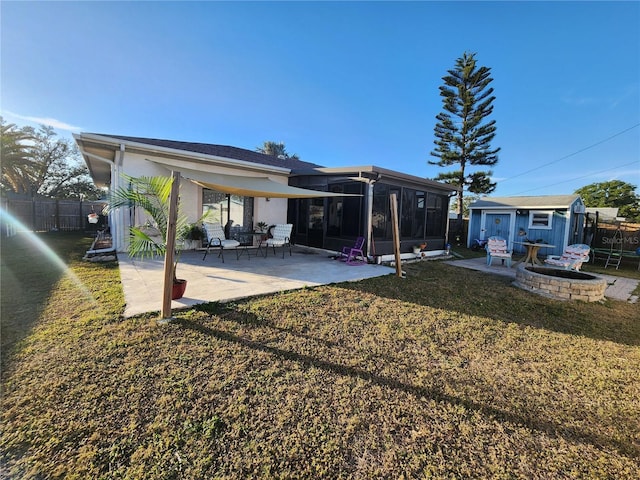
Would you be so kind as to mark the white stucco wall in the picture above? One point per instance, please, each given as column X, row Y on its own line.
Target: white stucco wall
column 271, row 212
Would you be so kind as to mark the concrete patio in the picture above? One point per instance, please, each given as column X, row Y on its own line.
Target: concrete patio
column 211, row 280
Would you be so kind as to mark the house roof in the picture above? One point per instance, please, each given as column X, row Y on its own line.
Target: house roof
column 225, row 151
column 539, row 202
column 101, row 151
column 373, row 172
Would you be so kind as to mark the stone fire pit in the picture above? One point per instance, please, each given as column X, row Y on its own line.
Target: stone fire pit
column 560, row 284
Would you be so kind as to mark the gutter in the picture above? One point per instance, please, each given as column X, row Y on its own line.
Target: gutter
column 187, row 156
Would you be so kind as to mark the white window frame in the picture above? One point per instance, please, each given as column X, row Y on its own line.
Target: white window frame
column 540, row 213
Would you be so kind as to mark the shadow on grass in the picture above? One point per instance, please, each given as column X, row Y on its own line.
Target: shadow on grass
column 32, row 265
column 541, row 425
column 469, row 292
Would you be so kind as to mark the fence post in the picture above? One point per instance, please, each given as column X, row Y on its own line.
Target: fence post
column 56, row 222
column 33, row 213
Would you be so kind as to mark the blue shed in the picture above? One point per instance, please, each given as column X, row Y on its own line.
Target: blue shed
column 554, row 219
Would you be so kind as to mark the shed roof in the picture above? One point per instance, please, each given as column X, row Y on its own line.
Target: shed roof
column 541, row 202
column 604, row 212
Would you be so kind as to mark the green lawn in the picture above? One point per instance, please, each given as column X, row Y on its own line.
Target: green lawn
column 448, row 373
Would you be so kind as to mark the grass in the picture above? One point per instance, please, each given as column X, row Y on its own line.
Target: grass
column 446, row 374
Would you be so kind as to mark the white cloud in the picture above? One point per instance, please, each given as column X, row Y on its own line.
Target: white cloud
column 578, row 101
column 51, row 122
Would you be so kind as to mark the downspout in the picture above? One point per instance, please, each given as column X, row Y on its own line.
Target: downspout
column 446, row 233
column 119, row 221
column 369, row 223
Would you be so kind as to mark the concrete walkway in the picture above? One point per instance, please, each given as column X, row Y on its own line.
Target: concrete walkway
column 618, row 288
column 211, row 280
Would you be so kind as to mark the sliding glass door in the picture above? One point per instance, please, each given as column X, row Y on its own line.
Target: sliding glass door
column 233, row 212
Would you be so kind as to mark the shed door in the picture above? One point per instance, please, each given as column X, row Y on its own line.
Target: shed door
column 497, row 224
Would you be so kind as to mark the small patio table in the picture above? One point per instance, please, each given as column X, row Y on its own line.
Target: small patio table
column 532, row 252
column 244, row 248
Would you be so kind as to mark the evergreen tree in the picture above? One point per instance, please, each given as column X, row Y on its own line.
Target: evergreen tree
column 59, row 171
column 614, row 193
column 463, row 134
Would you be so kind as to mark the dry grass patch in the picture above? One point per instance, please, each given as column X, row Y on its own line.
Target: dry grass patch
column 446, row 374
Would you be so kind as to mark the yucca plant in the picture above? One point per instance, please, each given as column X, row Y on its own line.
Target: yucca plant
column 151, row 194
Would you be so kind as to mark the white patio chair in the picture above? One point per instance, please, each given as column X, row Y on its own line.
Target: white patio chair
column 217, row 239
column 497, row 248
column 572, row 258
column 281, row 237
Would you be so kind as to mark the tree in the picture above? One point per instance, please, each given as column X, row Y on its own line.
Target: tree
column 59, row 172
column 468, row 200
column 614, row 193
column 17, row 163
column 463, row 134
column 276, row 149
column 151, row 194
column 37, row 162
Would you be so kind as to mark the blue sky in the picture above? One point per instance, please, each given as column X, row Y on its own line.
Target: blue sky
column 341, row 83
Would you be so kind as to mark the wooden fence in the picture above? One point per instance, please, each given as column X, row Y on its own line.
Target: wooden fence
column 621, row 234
column 46, row 215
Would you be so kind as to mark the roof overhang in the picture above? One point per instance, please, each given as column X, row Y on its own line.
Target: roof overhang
column 374, row 173
column 545, row 202
column 100, row 152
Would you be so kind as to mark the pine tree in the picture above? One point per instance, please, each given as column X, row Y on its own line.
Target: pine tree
column 463, row 136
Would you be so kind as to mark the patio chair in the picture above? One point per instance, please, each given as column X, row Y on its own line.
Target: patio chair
column 572, row 258
column 280, row 237
column 350, row 254
column 497, row 248
column 216, row 239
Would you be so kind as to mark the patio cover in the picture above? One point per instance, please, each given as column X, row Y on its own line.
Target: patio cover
column 248, row 186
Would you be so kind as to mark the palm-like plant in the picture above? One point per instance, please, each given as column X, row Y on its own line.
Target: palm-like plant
column 17, row 162
column 151, row 194
column 276, row 149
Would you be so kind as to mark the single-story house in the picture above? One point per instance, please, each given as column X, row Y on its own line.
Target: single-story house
column 553, row 219
column 328, row 207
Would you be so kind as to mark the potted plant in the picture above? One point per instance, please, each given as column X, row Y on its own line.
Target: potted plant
column 261, row 227
column 418, row 248
column 193, row 235
column 151, row 194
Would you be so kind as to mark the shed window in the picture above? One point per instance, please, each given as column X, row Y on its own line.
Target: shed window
column 540, row 220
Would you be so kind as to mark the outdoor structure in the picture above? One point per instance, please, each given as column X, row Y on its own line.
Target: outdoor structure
column 556, row 220
column 561, row 284
column 331, row 222
column 240, row 188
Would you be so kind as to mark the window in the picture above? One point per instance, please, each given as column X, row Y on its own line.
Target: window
column 407, row 212
column 380, row 211
column 233, row 211
column 436, row 215
column 345, row 213
column 540, row 220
